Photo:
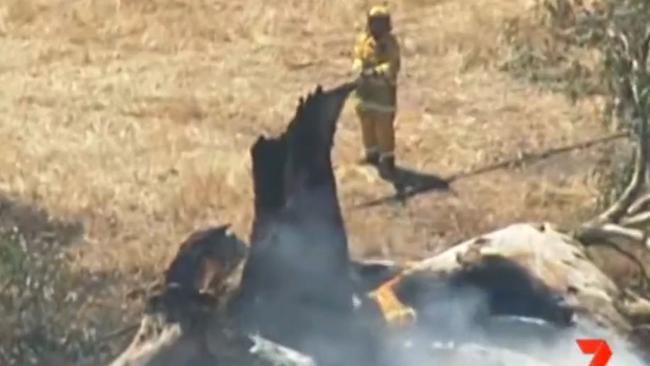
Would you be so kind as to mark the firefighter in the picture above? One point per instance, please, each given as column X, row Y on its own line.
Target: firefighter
column 377, row 61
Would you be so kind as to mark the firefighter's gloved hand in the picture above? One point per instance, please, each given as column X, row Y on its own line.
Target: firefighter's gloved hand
column 368, row 73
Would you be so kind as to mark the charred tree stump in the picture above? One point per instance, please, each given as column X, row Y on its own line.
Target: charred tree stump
column 297, row 287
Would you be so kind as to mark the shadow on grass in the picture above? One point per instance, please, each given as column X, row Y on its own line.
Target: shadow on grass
column 45, row 307
column 409, row 183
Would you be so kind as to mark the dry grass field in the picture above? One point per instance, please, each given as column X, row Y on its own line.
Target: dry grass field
column 134, row 117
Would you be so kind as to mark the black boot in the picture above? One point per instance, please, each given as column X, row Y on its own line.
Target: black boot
column 387, row 167
column 371, row 158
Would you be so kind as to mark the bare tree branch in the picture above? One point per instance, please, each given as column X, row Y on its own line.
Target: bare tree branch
column 611, row 233
column 645, row 47
column 620, row 43
column 119, row 332
column 640, row 221
column 639, row 205
column 617, row 209
column 636, row 67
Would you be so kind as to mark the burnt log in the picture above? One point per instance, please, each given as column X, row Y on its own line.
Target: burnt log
column 297, row 288
column 184, row 323
column 525, row 287
column 205, row 261
column 521, row 270
column 298, row 227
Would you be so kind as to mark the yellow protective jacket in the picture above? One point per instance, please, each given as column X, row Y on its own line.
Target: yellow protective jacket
column 378, row 93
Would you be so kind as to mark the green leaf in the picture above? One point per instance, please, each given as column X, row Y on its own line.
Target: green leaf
column 644, row 96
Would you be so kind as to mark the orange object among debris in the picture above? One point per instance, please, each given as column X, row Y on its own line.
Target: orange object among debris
column 396, row 313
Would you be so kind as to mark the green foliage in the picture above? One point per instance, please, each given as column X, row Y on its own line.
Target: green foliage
column 39, row 304
column 12, row 257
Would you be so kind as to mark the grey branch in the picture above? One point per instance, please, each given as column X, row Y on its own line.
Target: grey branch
column 277, row 354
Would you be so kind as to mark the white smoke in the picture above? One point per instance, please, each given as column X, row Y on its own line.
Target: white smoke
column 455, row 329
column 454, row 325
column 503, row 341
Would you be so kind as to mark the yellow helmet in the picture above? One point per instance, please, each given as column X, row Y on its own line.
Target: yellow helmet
column 379, row 11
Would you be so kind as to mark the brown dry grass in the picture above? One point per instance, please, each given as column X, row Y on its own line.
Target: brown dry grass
column 135, row 116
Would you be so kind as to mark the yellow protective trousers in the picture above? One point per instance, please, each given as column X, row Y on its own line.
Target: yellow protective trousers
column 377, row 130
